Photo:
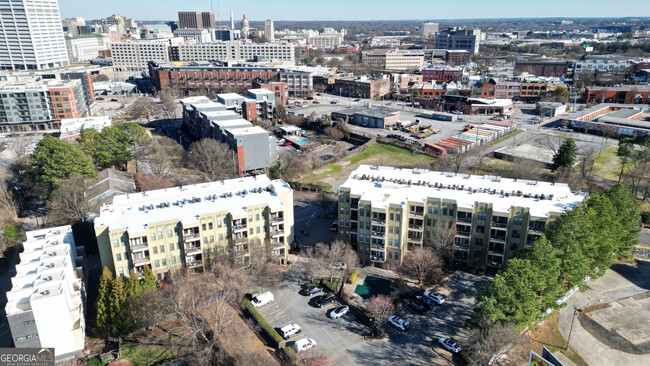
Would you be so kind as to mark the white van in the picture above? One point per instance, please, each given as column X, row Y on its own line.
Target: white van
column 303, row 344
column 288, row 330
column 262, row 299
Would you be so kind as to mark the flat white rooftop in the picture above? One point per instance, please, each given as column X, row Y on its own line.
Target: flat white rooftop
column 135, row 211
column 383, row 186
column 255, row 130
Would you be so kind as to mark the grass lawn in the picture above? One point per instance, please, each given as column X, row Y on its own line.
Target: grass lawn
column 607, row 165
column 144, row 354
column 373, row 286
column 376, row 154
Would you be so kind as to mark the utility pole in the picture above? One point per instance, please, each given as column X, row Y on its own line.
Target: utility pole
column 573, row 318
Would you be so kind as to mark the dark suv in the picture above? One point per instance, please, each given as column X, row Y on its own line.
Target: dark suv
column 325, row 299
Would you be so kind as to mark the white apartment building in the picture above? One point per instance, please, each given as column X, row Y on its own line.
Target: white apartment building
column 397, row 60
column 71, row 127
column 235, row 50
column 32, row 35
column 269, row 30
column 133, row 55
column 602, row 64
column 86, row 48
column 197, row 225
column 196, row 34
column 46, row 304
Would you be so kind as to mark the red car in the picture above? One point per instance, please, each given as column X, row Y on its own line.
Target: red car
column 287, row 144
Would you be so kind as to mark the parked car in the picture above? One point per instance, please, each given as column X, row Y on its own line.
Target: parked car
column 290, row 329
column 334, row 102
column 310, row 98
column 564, row 129
column 262, row 299
column 334, row 226
column 315, row 102
column 419, row 307
column 339, row 312
column 456, row 112
column 439, row 299
column 424, row 301
column 319, row 94
column 399, row 323
column 496, row 118
column 287, row 144
column 99, row 98
column 114, row 100
column 340, row 266
column 325, row 299
column 313, row 290
column 303, row 344
column 535, row 119
column 449, row 344
column 357, row 100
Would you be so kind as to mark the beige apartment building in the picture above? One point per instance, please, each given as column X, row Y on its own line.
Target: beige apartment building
column 396, row 60
column 387, row 212
column 195, row 226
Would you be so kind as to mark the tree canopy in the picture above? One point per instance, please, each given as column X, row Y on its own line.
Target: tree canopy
column 114, row 146
column 566, row 155
column 57, row 160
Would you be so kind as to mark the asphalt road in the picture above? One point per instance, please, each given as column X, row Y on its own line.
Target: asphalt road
column 341, row 340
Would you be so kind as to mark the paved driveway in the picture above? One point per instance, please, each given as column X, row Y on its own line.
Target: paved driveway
column 342, row 340
column 621, row 281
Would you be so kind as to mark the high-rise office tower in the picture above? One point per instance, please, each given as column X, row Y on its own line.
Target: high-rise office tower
column 32, row 35
column 269, row 31
column 196, row 19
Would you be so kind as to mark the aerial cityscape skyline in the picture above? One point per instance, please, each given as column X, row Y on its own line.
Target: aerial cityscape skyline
column 258, row 10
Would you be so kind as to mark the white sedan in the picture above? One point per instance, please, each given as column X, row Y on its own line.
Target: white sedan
column 439, row 299
column 449, row 344
column 399, row 323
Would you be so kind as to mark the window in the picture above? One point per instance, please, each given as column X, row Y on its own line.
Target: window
column 396, row 229
column 121, row 271
column 396, row 242
column 28, row 322
column 160, row 235
column 169, row 233
column 390, row 229
column 390, row 254
column 518, row 220
column 390, row 242
column 219, row 223
column 164, row 262
column 155, row 250
column 480, row 229
column 482, row 216
column 392, row 217
column 211, row 238
column 396, row 255
column 162, row 248
column 444, row 211
column 203, row 227
column 516, row 234
column 157, row 263
column 171, row 247
column 435, row 210
column 250, row 217
column 116, row 243
column 210, row 226
column 258, row 230
column 118, row 256
column 153, row 236
column 257, row 217
column 250, row 231
column 398, row 217
column 24, row 338
column 220, row 237
column 173, row 260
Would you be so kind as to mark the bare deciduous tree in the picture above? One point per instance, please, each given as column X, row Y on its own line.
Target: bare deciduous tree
column 442, row 238
column 142, row 109
column 380, row 307
column 8, row 205
column 490, row 340
column 335, row 133
column 424, row 264
column 310, row 265
column 168, row 102
column 212, row 159
column 295, row 166
column 164, row 157
column 334, row 254
column 21, row 145
column 69, row 203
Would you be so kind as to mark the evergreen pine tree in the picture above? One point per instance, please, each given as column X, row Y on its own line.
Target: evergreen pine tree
column 103, row 296
column 116, row 301
column 132, row 286
column 148, row 279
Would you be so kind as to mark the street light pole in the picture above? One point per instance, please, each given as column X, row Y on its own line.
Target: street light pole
column 573, row 318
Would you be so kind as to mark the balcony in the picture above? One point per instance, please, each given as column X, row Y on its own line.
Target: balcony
column 463, row 234
column 194, row 263
column 415, row 239
column 499, row 224
column 381, row 247
column 239, row 227
column 378, row 221
column 277, row 219
column 375, row 258
column 190, row 236
column 138, row 247
column 277, row 233
column 240, row 240
column 535, row 231
column 498, row 239
column 141, row 260
column 416, row 213
column 415, row 226
column 277, row 244
column 380, row 234
column 495, row 251
column 464, row 220
column 192, row 250
column 504, row 228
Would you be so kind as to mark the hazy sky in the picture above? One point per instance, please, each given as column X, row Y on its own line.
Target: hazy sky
column 357, row 9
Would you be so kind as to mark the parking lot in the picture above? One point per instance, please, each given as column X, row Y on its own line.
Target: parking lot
column 341, row 340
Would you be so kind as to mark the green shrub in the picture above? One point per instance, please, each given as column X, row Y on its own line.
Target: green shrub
column 399, row 282
column 332, row 286
column 260, row 319
column 291, row 354
column 645, row 217
column 352, row 277
column 312, row 283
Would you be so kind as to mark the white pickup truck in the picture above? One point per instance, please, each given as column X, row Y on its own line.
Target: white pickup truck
column 290, row 329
